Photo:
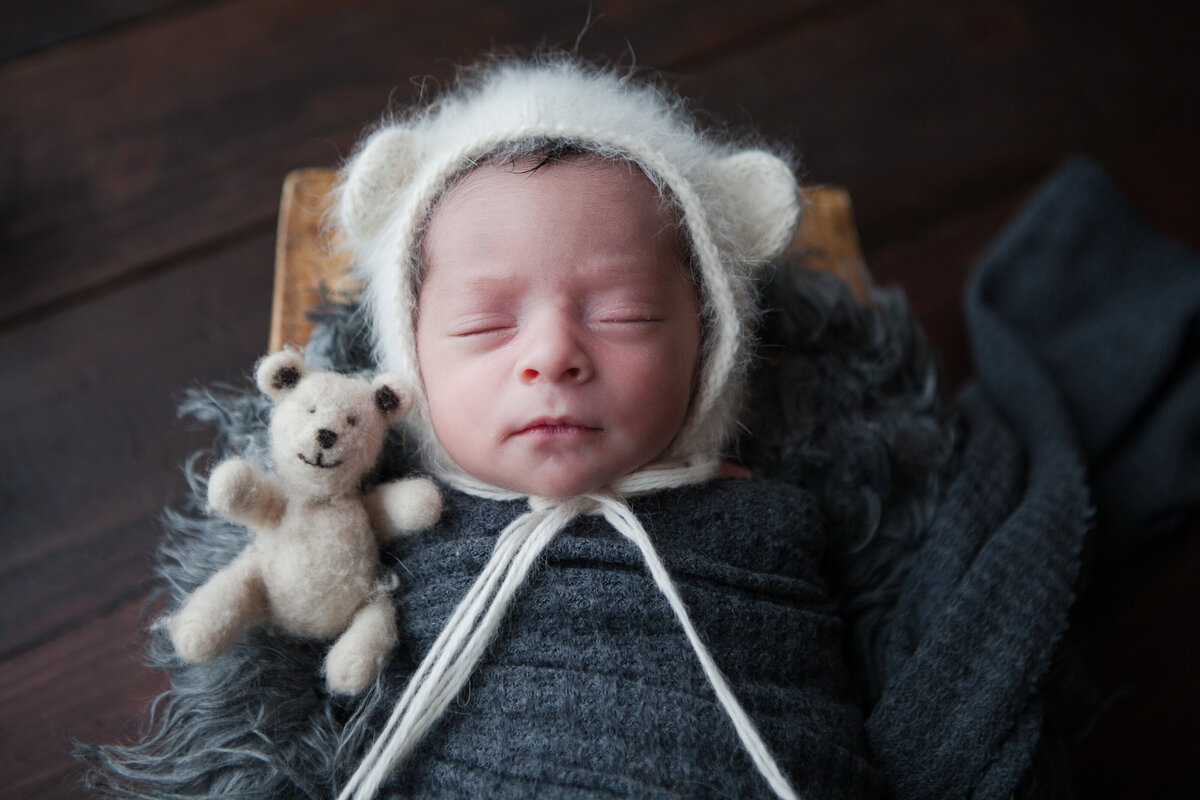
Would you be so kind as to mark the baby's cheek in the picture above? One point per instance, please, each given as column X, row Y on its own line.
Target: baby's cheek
column 456, row 412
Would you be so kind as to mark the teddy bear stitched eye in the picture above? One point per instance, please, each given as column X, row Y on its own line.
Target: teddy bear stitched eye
column 312, row 410
column 351, row 421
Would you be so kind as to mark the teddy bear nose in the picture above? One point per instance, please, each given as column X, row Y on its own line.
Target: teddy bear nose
column 326, row 438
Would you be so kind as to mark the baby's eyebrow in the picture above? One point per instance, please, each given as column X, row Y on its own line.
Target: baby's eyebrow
column 473, row 285
column 486, row 284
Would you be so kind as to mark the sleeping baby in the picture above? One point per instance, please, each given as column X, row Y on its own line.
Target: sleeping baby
column 564, row 265
column 577, row 282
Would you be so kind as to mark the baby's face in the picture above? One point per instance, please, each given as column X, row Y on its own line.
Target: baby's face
column 557, row 331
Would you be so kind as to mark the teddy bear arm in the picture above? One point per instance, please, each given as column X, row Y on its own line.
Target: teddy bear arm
column 402, row 506
column 242, row 493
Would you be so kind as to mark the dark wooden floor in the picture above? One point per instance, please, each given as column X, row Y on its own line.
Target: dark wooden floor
column 144, row 143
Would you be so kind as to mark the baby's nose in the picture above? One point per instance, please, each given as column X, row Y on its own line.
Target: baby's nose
column 326, row 438
column 553, row 353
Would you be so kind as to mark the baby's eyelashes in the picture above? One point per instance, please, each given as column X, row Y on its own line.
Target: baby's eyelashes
column 488, row 331
column 626, row 317
column 482, row 325
column 624, row 311
column 602, row 318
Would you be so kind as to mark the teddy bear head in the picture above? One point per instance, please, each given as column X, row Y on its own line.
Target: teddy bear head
column 327, row 430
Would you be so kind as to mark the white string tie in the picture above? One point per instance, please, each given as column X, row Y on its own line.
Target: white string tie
column 466, row 636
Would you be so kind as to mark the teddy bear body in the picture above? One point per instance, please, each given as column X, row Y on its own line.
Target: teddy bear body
column 316, row 567
column 312, row 567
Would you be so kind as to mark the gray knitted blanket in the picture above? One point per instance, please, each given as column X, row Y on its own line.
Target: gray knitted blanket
column 592, row 691
column 1085, row 325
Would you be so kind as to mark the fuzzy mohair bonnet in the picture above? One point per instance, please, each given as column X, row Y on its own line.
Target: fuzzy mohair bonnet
column 738, row 206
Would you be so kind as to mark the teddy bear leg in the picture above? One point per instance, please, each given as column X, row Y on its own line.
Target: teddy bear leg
column 358, row 654
column 208, row 622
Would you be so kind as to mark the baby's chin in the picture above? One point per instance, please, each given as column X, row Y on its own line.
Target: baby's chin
column 555, row 480
column 557, row 487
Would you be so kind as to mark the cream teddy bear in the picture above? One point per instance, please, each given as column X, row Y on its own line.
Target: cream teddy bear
column 312, row 567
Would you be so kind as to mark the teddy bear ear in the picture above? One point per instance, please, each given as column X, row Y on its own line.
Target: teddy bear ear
column 391, row 398
column 760, row 198
column 382, row 165
column 279, row 373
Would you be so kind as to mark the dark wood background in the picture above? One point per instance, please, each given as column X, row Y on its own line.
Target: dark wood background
column 144, row 143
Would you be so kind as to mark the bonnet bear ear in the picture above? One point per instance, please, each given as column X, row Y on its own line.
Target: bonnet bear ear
column 369, row 181
column 279, row 373
column 761, row 201
column 391, row 398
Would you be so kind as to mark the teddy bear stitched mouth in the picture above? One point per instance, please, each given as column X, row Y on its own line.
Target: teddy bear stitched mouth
column 320, row 462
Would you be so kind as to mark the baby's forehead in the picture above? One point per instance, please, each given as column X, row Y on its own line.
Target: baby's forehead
column 529, row 203
column 578, row 162
column 616, row 182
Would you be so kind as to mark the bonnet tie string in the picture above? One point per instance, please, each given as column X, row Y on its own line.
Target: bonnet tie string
column 463, row 641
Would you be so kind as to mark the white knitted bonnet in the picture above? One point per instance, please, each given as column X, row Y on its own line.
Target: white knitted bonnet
column 739, row 208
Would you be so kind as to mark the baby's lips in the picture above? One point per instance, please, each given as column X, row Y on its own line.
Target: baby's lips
column 555, row 429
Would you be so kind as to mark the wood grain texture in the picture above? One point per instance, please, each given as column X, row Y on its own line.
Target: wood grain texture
column 179, row 132
column 90, row 686
column 93, row 392
column 307, row 258
column 29, row 27
column 924, row 108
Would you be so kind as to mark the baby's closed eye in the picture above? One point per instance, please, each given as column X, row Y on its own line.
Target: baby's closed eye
column 626, row 317
column 483, row 324
column 626, row 312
